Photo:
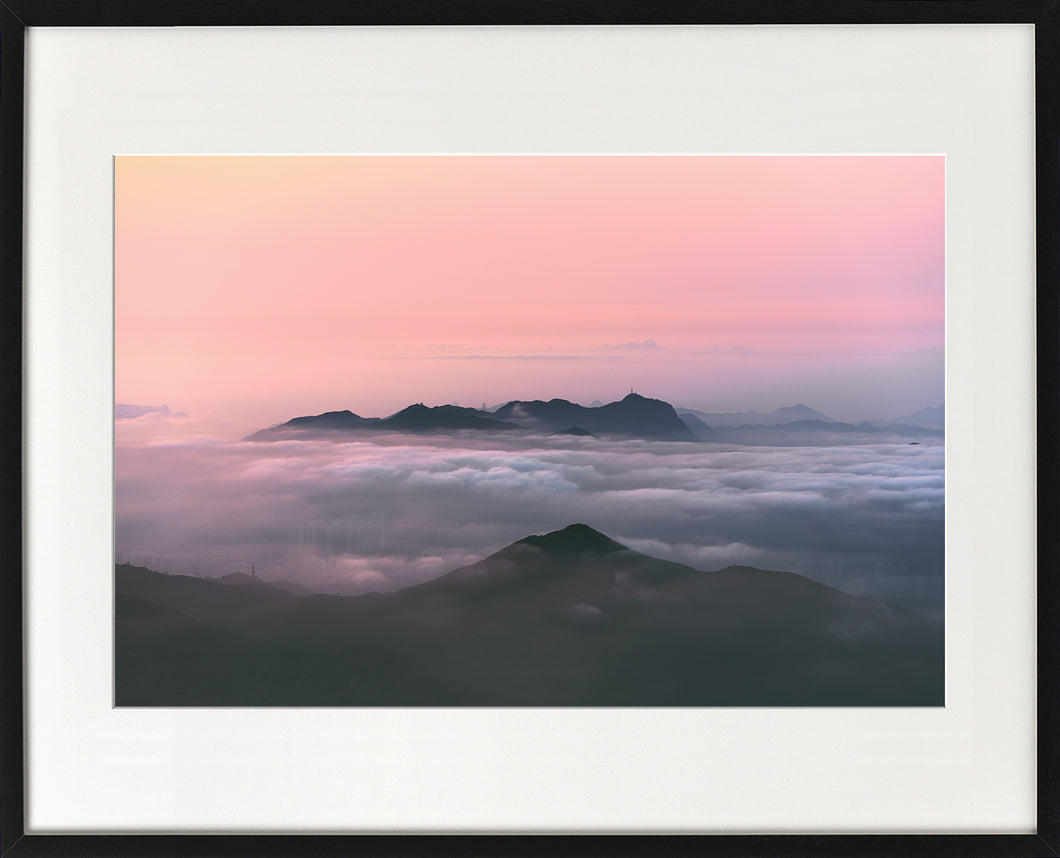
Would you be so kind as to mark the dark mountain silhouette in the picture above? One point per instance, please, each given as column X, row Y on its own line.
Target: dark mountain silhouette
column 570, row 617
column 537, row 414
column 574, row 539
column 333, row 420
column 418, row 418
column 633, row 417
column 414, row 418
column 640, row 417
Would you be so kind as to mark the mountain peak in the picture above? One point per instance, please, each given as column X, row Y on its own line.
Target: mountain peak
column 415, row 408
column 635, row 416
column 575, row 539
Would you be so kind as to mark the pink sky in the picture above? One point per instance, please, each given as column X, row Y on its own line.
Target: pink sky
column 259, row 288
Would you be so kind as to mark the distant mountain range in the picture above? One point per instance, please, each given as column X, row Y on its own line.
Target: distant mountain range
column 787, row 414
column 632, row 417
column 799, row 425
column 929, row 418
column 567, row 618
column 815, row 433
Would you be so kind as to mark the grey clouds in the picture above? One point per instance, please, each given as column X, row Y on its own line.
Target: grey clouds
column 386, row 512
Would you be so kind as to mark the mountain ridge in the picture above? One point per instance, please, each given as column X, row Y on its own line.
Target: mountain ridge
column 569, row 617
column 784, row 414
column 634, row 416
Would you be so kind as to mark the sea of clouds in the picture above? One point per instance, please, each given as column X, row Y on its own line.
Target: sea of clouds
column 382, row 512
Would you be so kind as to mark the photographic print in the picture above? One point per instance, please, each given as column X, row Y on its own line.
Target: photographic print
column 529, row 430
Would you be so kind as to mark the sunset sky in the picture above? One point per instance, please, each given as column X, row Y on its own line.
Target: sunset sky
column 254, row 289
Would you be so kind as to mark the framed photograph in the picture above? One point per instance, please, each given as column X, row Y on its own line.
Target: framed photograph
column 440, row 555
column 536, row 428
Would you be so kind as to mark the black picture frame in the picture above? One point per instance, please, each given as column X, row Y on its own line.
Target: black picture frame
column 18, row 15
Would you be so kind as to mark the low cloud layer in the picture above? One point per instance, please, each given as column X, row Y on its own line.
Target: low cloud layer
column 381, row 513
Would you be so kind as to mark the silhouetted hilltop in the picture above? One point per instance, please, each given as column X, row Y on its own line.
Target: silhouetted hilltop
column 574, row 539
column 419, row 418
column 633, row 417
column 642, row 417
column 571, row 617
column 332, row 420
column 538, row 414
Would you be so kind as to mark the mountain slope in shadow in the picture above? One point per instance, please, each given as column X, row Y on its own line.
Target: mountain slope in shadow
column 166, row 658
column 568, row 618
